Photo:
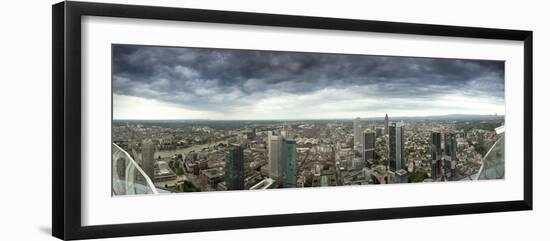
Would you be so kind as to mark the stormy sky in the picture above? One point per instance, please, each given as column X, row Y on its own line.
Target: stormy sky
column 220, row 84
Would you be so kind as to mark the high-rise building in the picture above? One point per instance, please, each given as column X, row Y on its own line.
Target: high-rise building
column 450, row 145
column 396, row 147
column 290, row 165
column 436, row 155
column 275, row 160
column 234, row 168
column 436, row 169
column 436, row 146
column 386, row 124
column 369, row 140
column 357, row 133
column 148, row 158
column 379, row 131
column 448, row 169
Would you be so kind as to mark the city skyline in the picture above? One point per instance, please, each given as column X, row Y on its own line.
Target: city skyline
column 173, row 83
column 266, row 155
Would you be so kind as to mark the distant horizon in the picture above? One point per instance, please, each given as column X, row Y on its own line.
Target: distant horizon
column 350, row 119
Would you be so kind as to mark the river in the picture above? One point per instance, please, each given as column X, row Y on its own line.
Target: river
column 170, row 153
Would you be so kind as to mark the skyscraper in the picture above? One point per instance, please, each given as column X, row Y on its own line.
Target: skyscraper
column 234, row 168
column 450, row 145
column 436, row 146
column 379, row 131
column 386, row 125
column 396, row 147
column 290, row 165
column 275, row 161
column 436, row 155
column 369, row 140
column 357, row 133
column 436, row 169
column 148, row 158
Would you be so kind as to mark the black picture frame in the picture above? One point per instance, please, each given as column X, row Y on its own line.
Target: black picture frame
column 66, row 122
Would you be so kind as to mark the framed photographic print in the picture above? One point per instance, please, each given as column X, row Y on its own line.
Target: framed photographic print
column 170, row 120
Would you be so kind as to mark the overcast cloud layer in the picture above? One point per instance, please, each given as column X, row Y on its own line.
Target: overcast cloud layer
column 199, row 83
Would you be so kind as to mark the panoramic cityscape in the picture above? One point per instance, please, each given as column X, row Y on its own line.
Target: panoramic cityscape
column 198, row 119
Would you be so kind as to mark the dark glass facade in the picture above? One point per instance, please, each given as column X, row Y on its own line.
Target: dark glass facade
column 234, row 168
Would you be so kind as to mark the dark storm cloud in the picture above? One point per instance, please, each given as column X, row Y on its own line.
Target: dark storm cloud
column 192, row 76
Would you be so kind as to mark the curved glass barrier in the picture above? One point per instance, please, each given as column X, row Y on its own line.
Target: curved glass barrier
column 492, row 166
column 127, row 176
